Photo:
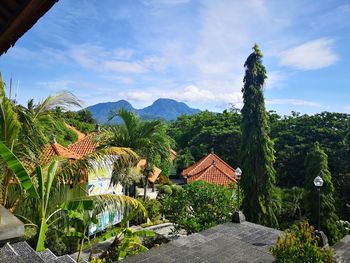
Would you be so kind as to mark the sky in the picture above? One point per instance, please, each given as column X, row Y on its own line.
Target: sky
column 188, row 50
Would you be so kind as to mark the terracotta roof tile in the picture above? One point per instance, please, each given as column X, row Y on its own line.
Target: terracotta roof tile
column 214, row 175
column 211, row 169
column 85, row 146
column 55, row 149
column 155, row 173
column 206, row 162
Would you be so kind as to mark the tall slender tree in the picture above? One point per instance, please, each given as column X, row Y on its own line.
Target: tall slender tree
column 316, row 164
column 257, row 152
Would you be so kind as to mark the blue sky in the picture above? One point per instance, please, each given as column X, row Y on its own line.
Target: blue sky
column 188, row 50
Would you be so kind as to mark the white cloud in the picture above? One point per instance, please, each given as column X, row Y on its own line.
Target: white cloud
column 123, row 66
column 120, row 60
column 214, row 98
column 274, row 79
column 294, row 102
column 311, row 55
column 57, row 85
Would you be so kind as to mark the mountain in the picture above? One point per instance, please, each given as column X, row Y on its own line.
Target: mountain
column 165, row 109
column 101, row 111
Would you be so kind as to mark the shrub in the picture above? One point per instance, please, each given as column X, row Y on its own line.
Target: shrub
column 153, row 207
column 165, row 190
column 199, row 206
column 300, row 245
column 344, row 227
column 176, row 188
column 163, row 180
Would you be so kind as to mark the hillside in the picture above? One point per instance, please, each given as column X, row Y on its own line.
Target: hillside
column 165, row 109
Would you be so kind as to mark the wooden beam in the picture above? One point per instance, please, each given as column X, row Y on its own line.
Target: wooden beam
column 23, row 21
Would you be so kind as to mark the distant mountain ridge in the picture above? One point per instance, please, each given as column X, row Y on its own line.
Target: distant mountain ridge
column 165, row 109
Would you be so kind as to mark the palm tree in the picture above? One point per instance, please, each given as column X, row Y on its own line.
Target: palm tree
column 147, row 138
column 35, row 117
column 21, row 130
column 41, row 192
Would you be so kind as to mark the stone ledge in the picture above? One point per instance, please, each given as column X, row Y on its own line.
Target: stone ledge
column 11, row 228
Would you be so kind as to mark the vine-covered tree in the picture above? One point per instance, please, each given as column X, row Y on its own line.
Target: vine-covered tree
column 257, row 152
column 316, row 164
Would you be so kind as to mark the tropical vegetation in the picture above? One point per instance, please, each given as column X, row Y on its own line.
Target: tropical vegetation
column 199, row 206
column 280, row 156
column 299, row 244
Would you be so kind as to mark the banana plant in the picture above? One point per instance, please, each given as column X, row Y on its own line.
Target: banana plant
column 42, row 190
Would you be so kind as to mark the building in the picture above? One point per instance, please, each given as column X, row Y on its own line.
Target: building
column 17, row 17
column 93, row 182
column 211, row 169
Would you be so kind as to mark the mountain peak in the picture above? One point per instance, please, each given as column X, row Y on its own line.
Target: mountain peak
column 162, row 108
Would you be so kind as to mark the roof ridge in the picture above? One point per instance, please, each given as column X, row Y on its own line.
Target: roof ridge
column 191, row 167
column 206, row 168
column 56, row 145
column 226, row 164
column 214, row 166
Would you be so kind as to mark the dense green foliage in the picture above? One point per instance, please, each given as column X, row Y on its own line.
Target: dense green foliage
column 292, row 209
column 257, row 152
column 82, row 120
column 153, row 208
column 317, row 165
column 293, row 137
column 199, row 206
column 197, row 135
column 299, row 245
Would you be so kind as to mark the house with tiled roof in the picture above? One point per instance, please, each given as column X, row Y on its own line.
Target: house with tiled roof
column 211, row 169
column 94, row 182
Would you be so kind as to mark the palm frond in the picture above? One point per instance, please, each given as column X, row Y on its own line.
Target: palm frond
column 18, row 170
column 120, row 157
column 65, row 100
column 9, row 124
column 106, row 202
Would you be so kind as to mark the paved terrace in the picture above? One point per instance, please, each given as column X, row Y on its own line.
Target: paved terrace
column 230, row 242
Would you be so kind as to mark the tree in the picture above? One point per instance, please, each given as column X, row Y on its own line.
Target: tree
column 22, row 131
column 198, row 134
column 317, row 165
column 147, row 138
column 257, row 153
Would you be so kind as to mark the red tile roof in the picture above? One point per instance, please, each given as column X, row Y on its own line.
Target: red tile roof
column 155, row 173
column 55, row 149
column 211, row 169
column 84, row 146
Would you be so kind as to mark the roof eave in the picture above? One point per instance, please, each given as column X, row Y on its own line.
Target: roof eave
column 21, row 21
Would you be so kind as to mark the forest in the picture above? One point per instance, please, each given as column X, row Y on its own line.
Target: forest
column 293, row 136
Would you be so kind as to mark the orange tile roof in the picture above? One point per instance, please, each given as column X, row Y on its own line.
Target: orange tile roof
column 211, row 169
column 84, row 146
column 207, row 161
column 55, row 149
column 155, row 173
column 214, row 175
